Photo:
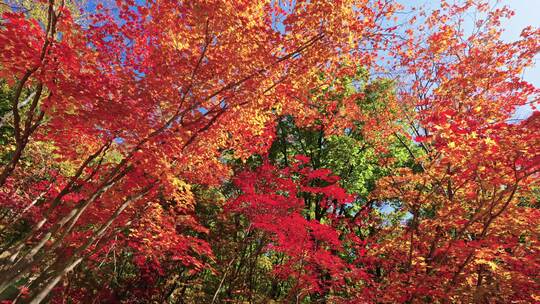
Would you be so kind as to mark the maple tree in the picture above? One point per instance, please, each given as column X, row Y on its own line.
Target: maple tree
column 464, row 240
column 167, row 151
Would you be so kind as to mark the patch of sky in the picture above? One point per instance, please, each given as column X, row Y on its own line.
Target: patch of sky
column 526, row 14
column 278, row 19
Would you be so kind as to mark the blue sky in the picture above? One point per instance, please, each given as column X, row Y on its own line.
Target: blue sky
column 527, row 13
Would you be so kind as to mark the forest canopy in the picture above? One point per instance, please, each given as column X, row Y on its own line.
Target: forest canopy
column 296, row 151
